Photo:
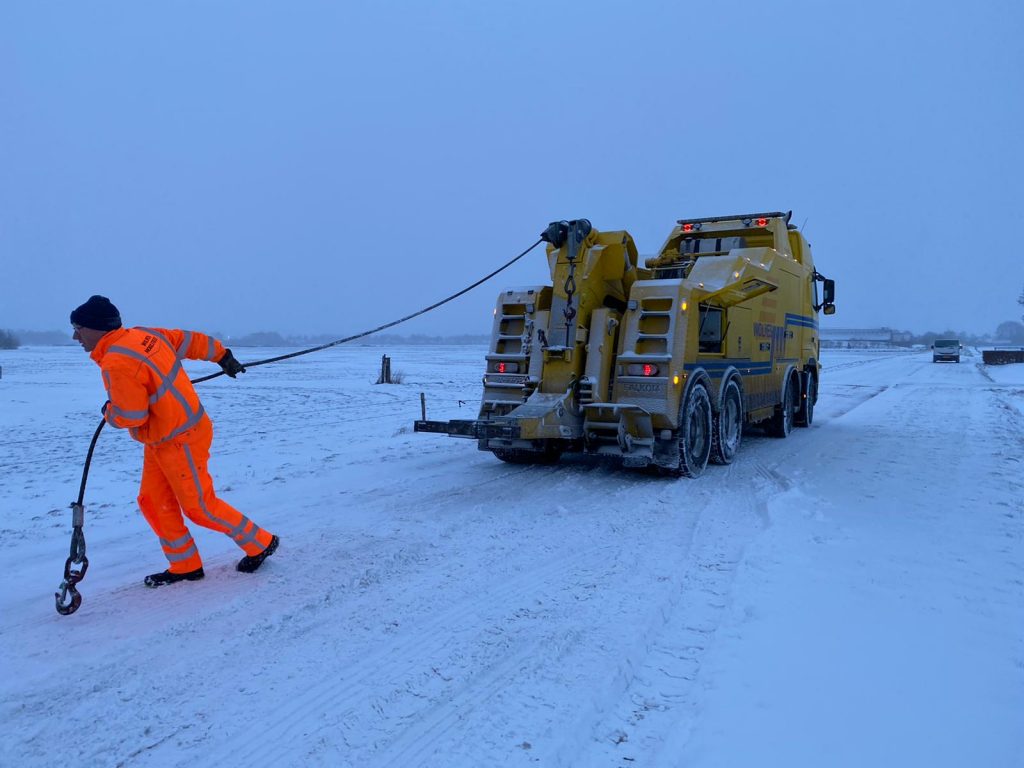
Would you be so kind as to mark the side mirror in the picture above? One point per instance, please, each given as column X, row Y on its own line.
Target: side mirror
column 828, row 294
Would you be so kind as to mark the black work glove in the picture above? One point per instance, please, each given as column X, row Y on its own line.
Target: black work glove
column 229, row 365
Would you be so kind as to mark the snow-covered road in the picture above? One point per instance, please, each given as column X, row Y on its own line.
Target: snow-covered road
column 850, row 596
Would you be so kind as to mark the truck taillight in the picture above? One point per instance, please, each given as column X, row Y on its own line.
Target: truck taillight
column 642, row 369
column 762, row 222
column 503, row 367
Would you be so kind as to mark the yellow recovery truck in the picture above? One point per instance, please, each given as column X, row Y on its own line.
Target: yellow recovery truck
column 663, row 365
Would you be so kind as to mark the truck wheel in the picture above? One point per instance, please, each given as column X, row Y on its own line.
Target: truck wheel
column 549, row 455
column 694, row 432
column 727, row 425
column 782, row 422
column 805, row 413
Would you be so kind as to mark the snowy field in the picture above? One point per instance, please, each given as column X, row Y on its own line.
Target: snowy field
column 850, row 596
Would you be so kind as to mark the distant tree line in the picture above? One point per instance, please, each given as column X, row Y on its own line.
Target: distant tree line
column 1010, row 332
column 14, row 339
column 44, row 338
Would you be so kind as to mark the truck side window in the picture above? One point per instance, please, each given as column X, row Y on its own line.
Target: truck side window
column 711, row 330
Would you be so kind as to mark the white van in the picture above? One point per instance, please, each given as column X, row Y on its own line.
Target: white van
column 946, row 350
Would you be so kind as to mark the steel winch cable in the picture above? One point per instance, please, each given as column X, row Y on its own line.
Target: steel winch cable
column 68, row 599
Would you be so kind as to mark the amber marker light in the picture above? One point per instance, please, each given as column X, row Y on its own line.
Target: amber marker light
column 682, row 307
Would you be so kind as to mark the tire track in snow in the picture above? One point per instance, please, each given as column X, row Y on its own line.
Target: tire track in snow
column 418, row 652
column 424, row 742
column 663, row 692
column 406, row 711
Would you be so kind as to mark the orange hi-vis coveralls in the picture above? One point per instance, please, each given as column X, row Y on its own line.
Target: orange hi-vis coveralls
column 151, row 395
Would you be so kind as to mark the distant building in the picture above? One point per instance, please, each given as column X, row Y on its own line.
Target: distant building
column 863, row 337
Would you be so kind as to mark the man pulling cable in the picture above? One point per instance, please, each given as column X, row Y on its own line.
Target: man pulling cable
column 150, row 394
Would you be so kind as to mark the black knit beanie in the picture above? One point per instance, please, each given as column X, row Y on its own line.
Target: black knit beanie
column 97, row 313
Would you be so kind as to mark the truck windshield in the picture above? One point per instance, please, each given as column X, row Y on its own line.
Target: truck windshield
column 946, row 343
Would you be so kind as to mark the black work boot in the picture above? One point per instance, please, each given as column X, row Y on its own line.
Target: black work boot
column 163, row 579
column 250, row 563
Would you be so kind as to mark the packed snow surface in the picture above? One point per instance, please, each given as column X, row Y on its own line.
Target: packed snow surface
column 852, row 595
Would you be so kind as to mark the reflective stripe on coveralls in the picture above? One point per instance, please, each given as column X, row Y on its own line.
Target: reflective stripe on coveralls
column 244, row 530
column 185, row 544
column 166, row 387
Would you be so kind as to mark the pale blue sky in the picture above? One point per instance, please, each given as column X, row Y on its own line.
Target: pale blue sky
column 326, row 167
